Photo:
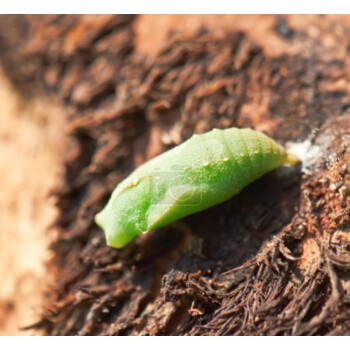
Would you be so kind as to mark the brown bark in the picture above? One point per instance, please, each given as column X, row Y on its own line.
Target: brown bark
column 272, row 260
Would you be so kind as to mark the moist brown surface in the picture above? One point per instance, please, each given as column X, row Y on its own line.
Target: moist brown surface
column 272, row 260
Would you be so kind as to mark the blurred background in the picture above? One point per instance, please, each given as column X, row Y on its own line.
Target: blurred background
column 31, row 145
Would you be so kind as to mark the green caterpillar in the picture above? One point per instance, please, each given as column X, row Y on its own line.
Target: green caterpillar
column 205, row 170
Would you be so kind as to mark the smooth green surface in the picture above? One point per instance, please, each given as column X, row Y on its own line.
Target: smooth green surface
column 205, row 170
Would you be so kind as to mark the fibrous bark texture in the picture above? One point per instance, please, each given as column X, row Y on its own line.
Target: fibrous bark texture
column 274, row 260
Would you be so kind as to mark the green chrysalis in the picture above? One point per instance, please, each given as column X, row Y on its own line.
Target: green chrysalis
column 205, row 170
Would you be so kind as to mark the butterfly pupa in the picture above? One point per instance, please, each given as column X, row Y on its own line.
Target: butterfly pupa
column 203, row 171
